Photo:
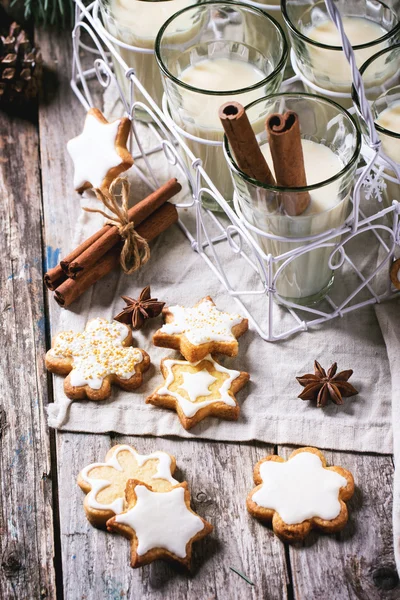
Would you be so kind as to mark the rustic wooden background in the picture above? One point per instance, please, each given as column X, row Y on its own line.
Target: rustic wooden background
column 47, row 548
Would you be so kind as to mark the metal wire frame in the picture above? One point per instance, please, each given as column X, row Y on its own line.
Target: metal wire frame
column 238, row 233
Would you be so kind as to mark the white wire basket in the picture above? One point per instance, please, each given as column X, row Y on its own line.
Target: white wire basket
column 275, row 318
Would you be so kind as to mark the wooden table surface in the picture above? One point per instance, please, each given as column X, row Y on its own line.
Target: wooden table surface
column 47, row 547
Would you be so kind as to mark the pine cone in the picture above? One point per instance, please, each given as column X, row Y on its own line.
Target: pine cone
column 20, row 68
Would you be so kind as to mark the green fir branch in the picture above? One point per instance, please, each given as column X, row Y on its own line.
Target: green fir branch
column 47, row 12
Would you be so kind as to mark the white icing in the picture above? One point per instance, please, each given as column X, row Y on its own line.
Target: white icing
column 93, row 152
column 97, row 485
column 161, row 520
column 202, row 323
column 300, row 489
column 197, row 384
column 190, row 407
column 97, row 352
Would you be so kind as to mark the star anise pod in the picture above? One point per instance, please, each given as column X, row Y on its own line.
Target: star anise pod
column 324, row 385
column 137, row 311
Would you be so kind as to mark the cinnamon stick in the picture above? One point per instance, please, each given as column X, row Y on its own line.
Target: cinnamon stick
column 64, row 264
column 54, row 277
column 94, row 248
column 244, row 143
column 287, row 155
column 150, row 228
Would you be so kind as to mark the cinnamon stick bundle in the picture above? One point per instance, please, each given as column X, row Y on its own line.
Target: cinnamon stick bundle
column 244, row 143
column 287, row 155
column 71, row 289
column 89, row 253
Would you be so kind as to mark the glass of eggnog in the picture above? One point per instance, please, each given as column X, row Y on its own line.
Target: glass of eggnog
column 331, row 146
column 381, row 78
column 370, row 26
column 235, row 52
column 272, row 7
column 132, row 26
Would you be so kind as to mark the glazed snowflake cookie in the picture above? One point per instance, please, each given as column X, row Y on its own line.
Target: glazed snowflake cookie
column 96, row 358
column 198, row 390
column 99, row 153
column 201, row 330
column 159, row 524
column 104, row 483
column 300, row 494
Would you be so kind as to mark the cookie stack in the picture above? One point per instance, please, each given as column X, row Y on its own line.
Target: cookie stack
column 199, row 386
column 136, row 496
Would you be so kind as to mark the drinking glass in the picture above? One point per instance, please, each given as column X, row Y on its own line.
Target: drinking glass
column 133, row 25
column 381, row 78
column 227, row 31
column 307, row 278
column 323, row 64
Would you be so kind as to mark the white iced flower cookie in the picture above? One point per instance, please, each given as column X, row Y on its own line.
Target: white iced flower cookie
column 200, row 330
column 97, row 357
column 300, row 494
column 159, row 524
column 100, row 152
column 198, row 390
column 104, row 482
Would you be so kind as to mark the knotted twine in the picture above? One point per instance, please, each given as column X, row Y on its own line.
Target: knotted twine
column 135, row 252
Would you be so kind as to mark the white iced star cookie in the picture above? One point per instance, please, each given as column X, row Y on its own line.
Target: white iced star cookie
column 159, row 524
column 104, row 483
column 201, row 330
column 198, row 390
column 96, row 358
column 100, row 153
column 300, row 494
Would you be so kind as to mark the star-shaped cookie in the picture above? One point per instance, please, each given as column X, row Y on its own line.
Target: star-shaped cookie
column 201, row 330
column 198, row 390
column 96, row 358
column 159, row 524
column 104, row 483
column 300, row 494
column 100, row 152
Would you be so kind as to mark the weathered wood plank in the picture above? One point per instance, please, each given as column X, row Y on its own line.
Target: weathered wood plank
column 358, row 562
column 26, row 526
column 60, row 119
column 219, row 476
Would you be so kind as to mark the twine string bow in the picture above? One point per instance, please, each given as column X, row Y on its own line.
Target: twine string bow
column 135, row 252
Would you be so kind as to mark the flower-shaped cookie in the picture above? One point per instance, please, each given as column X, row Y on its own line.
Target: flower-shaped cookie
column 201, row 330
column 198, row 390
column 96, row 358
column 159, row 524
column 99, row 153
column 105, row 483
column 300, row 494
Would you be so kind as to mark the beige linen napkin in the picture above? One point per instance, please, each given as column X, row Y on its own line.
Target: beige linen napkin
column 270, row 409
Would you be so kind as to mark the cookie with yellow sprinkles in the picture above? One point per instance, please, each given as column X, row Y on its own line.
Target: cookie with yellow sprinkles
column 96, row 358
column 200, row 330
